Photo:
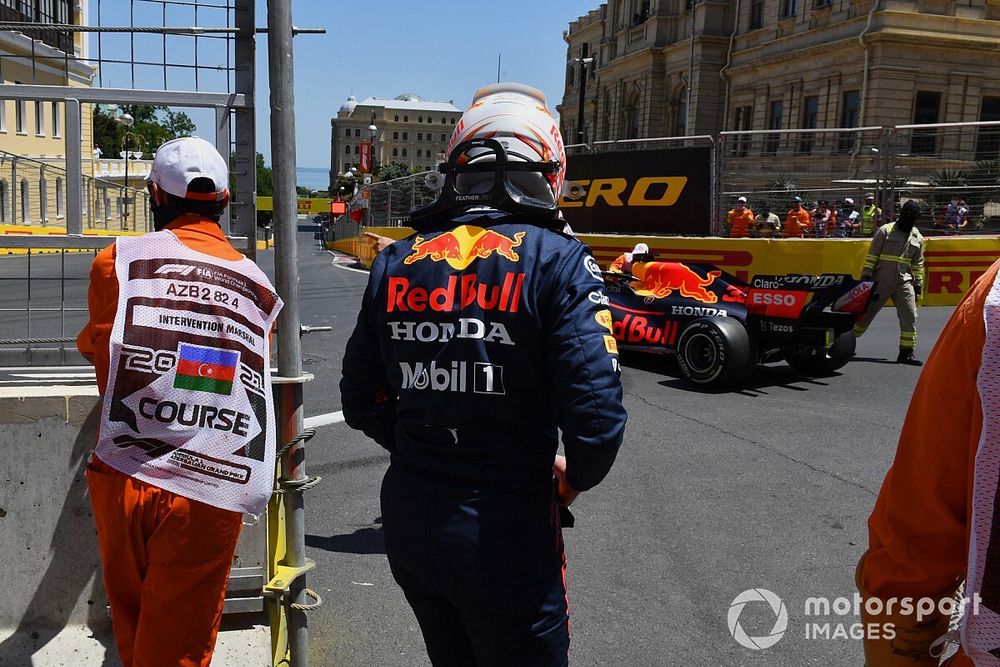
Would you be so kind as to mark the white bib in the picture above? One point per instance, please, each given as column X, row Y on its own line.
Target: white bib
column 188, row 406
column 981, row 632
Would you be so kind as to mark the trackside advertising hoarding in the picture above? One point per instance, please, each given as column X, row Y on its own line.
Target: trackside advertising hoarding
column 652, row 192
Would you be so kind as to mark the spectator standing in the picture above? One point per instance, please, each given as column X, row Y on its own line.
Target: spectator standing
column 766, row 224
column 870, row 216
column 823, row 220
column 740, row 219
column 847, row 220
column 798, row 222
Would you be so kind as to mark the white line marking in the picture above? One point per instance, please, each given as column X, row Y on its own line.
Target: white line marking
column 10, row 369
column 52, row 376
column 55, row 390
column 324, row 420
column 349, row 268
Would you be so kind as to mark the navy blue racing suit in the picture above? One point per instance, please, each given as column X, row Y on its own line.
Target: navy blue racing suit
column 477, row 339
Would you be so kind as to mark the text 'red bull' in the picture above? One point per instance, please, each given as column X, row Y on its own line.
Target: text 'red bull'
column 663, row 278
column 458, row 294
column 637, row 329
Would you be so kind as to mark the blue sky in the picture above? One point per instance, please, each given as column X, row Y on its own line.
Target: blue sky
column 439, row 50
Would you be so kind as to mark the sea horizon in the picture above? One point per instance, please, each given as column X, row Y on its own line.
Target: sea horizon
column 314, row 178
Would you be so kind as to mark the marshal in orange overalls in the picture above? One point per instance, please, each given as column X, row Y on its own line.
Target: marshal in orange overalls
column 919, row 530
column 166, row 559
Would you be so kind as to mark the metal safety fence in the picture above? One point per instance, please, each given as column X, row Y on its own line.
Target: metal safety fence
column 390, row 202
column 97, row 70
column 33, row 193
column 932, row 164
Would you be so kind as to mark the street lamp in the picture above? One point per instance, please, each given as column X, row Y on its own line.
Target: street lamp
column 372, row 131
column 580, row 135
column 128, row 121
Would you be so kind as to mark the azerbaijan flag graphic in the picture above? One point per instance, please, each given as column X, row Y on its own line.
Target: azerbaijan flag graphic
column 206, row 369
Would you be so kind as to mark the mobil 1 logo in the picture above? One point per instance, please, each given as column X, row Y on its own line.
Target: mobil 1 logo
column 457, row 376
column 488, row 378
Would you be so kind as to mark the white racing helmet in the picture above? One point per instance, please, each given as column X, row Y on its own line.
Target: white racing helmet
column 506, row 152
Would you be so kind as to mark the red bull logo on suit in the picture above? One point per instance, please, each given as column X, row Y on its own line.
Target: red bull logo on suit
column 465, row 244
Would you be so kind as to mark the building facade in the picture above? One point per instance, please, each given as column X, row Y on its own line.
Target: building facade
column 408, row 130
column 684, row 67
column 32, row 144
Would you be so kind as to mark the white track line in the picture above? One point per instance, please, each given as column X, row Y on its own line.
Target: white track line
column 324, row 420
column 53, row 376
column 341, row 266
column 7, row 369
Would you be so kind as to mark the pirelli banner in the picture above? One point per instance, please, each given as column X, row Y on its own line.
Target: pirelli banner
column 651, row 192
column 951, row 263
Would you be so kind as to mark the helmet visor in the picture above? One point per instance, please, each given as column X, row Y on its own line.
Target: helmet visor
column 493, row 170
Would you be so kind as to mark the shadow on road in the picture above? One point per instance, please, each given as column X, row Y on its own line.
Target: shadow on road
column 764, row 377
column 367, row 540
column 872, row 360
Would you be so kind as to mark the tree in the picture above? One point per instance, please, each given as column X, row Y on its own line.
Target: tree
column 265, row 188
column 265, row 180
column 151, row 127
column 388, row 171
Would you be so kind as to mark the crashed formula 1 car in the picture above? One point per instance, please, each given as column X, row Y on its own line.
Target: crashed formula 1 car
column 720, row 327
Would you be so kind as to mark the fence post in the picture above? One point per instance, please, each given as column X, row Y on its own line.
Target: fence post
column 74, row 167
column 289, row 391
column 892, row 163
column 716, row 184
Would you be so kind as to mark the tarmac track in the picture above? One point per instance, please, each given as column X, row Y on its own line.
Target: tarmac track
column 712, row 494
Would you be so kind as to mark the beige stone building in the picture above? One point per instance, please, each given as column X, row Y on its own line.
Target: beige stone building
column 32, row 146
column 409, row 130
column 780, row 64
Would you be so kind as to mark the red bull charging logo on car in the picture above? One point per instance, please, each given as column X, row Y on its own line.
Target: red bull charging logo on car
column 464, row 245
column 660, row 279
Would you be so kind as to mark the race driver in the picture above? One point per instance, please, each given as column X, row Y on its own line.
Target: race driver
column 161, row 307
column 933, row 523
column 479, row 339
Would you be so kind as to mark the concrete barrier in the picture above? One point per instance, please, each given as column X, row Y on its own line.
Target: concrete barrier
column 53, row 609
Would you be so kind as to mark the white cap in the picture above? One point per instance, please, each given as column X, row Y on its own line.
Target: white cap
column 639, row 248
column 849, row 201
column 180, row 161
column 742, row 200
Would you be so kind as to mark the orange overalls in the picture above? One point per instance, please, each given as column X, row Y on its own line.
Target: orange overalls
column 740, row 222
column 919, row 530
column 798, row 222
column 165, row 558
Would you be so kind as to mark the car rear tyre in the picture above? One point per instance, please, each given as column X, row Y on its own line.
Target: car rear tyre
column 824, row 362
column 715, row 352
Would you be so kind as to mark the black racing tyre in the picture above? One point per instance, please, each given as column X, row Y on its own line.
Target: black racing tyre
column 715, row 352
column 824, row 362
